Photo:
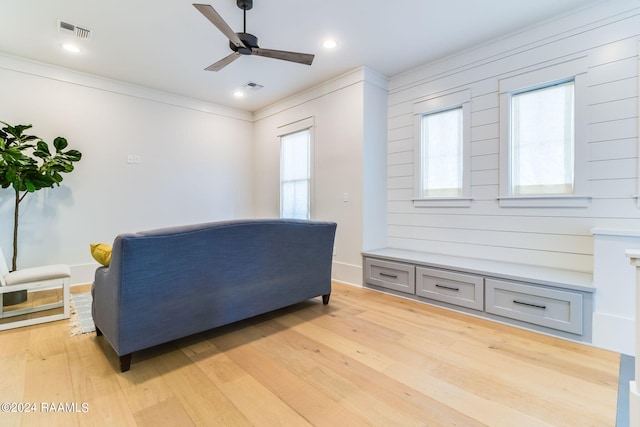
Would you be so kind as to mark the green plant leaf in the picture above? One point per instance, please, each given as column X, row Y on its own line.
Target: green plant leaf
column 60, row 143
column 73, row 155
column 42, row 147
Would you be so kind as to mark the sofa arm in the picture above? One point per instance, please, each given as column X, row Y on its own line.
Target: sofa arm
column 106, row 294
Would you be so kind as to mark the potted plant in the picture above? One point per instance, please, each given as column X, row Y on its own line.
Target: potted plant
column 28, row 165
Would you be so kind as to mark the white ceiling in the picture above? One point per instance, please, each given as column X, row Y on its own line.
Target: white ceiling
column 166, row 44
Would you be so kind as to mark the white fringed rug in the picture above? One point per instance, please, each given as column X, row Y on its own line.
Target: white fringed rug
column 81, row 321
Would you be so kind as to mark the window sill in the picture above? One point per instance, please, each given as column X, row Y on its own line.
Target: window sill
column 442, row 202
column 544, row 201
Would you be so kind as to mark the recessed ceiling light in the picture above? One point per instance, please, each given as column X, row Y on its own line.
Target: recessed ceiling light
column 71, row 48
column 238, row 93
column 329, row 44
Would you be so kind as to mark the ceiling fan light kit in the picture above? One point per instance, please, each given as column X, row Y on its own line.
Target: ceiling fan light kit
column 244, row 43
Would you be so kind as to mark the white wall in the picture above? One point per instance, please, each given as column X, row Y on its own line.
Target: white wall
column 195, row 162
column 615, row 278
column 608, row 35
column 374, row 222
column 199, row 162
column 544, row 236
column 340, row 119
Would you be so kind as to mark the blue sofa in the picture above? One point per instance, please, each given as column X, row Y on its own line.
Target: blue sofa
column 169, row 283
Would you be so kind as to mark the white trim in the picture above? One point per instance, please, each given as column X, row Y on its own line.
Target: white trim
column 347, row 273
column 622, row 341
column 47, row 71
column 433, row 104
column 350, row 78
column 443, row 202
column 615, row 232
column 296, row 126
column 543, row 75
column 638, row 140
column 574, row 69
column 544, row 201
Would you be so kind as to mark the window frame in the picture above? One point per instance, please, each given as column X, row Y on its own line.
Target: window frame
column 572, row 70
column 434, row 105
column 302, row 125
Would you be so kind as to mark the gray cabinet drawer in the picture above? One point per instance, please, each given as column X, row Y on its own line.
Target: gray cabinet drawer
column 551, row 308
column 455, row 288
column 390, row 275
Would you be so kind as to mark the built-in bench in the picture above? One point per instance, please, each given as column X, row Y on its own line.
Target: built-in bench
column 554, row 301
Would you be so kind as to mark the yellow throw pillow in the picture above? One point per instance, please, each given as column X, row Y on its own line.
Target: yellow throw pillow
column 101, row 252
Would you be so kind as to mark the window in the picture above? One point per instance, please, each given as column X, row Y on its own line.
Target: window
column 442, row 151
column 295, row 175
column 543, row 136
column 542, row 140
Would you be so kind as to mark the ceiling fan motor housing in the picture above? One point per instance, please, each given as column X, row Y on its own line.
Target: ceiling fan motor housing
column 250, row 42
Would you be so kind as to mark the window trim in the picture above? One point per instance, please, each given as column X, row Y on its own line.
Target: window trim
column 288, row 129
column 637, row 196
column 572, row 70
column 438, row 104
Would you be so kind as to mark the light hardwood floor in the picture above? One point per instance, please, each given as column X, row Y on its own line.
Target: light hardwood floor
column 365, row 359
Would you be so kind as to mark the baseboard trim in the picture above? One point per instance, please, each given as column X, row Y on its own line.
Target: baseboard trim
column 347, row 273
column 622, row 341
column 347, row 283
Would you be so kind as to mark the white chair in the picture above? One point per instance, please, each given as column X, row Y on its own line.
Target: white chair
column 31, row 279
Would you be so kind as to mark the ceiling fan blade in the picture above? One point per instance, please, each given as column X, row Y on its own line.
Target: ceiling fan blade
column 301, row 58
column 210, row 13
column 223, row 62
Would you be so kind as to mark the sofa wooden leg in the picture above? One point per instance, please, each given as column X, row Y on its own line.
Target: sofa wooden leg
column 125, row 362
column 325, row 299
column 98, row 332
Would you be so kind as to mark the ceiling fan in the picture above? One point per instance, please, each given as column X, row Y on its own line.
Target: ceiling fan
column 244, row 43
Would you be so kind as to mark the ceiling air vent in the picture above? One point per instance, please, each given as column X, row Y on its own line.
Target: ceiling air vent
column 79, row 32
column 253, row 86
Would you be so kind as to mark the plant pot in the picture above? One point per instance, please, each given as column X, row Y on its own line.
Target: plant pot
column 13, row 298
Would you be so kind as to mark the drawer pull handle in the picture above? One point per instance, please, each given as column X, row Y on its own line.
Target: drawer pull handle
column 450, row 288
column 528, row 304
column 393, row 276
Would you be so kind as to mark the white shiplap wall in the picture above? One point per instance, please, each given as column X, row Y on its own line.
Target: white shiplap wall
column 608, row 34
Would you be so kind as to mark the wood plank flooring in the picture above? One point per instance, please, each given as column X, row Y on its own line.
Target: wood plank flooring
column 365, row 359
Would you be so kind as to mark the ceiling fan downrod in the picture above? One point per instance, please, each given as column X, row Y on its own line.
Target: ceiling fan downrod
column 245, row 5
